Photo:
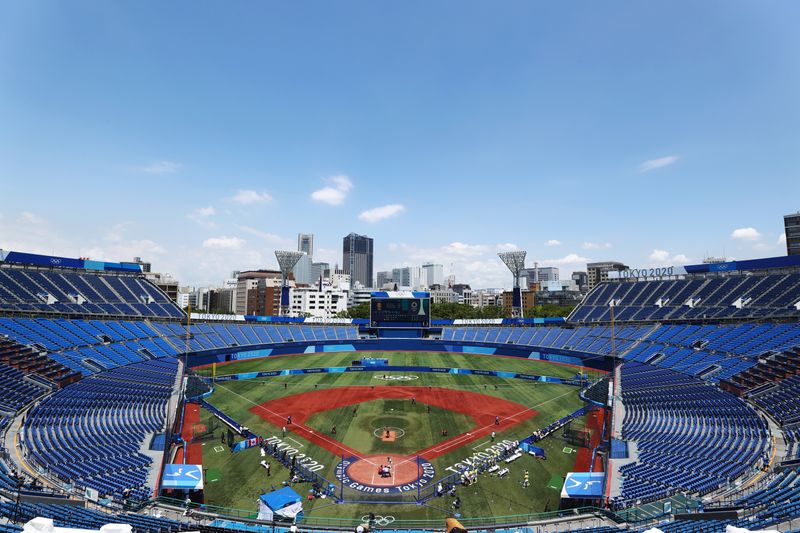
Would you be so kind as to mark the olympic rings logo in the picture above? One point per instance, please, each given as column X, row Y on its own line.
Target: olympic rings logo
column 379, row 520
column 397, row 378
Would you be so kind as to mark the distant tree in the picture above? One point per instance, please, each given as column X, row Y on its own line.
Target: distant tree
column 452, row 311
column 490, row 311
column 358, row 311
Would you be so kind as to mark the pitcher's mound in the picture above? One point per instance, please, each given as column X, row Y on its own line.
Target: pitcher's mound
column 389, row 434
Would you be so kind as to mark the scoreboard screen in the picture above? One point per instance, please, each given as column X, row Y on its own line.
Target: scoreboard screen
column 399, row 311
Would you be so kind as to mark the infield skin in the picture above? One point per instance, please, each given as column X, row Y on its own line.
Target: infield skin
column 481, row 407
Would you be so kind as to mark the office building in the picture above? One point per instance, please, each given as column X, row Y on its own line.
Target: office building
column 320, row 270
column 487, row 297
column 383, row 277
column 791, row 224
column 357, row 256
column 432, row 274
column 302, row 271
column 597, row 273
column 165, row 282
column 146, row 266
column 305, row 243
column 258, row 292
column 325, row 303
column 408, row 277
column 528, row 300
column 536, row 274
column 581, row 279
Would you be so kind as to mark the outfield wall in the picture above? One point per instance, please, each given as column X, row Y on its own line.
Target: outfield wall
column 223, row 355
column 400, row 368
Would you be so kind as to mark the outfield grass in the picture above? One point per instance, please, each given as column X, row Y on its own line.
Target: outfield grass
column 241, row 480
column 437, row 359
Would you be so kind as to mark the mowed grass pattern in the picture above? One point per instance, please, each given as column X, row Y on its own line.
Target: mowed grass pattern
column 242, row 479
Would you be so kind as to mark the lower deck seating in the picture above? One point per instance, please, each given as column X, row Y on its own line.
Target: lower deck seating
column 91, row 433
column 781, row 401
column 83, row 518
column 690, row 435
column 16, row 391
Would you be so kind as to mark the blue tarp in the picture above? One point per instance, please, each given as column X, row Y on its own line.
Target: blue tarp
column 281, row 498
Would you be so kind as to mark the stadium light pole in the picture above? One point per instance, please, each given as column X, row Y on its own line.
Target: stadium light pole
column 287, row 259
column 515, row 261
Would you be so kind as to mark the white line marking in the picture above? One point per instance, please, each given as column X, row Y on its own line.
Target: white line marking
column 294, row 427
column 299, row 444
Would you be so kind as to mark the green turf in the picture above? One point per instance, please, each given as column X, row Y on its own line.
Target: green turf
column 556, row 482
column 212, row 475
column 417, row 429
column 243, row 480
column 436, row 359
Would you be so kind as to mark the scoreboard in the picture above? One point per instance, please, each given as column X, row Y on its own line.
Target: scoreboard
column 400, row 309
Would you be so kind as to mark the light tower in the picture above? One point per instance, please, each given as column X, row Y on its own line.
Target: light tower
column 515, row 261
column 286, row 261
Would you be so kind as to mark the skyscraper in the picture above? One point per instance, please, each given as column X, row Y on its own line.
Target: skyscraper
column 357, row 258
column 305, row 243
column 432, row 274
column 792, row 225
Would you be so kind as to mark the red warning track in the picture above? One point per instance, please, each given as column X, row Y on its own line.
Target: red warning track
column 482, row 408
column 192, row 453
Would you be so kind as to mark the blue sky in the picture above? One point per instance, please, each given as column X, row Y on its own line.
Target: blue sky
column 202, row 136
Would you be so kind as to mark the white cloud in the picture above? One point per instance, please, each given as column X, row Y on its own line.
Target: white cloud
column 553, row 242
column 115, row 246
column 506, row 247
column 29, row 232
column 661, row 162
column 275, row 240
column 377, row 214
column 569, row 259
column 329, row 195
column 248, row 196
column 328, row 255
column 596, row 245
column 464, row 250
column 335, row 193
column 26, row 217
column 124, row 250
column 224, row 243
column 663, row 258
column 659, row 255
column 782, row 239
column 202, row 216
column 745, row 234
column 160, row 167
column 342, row 182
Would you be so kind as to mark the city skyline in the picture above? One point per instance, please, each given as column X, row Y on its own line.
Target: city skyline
column 446, row 133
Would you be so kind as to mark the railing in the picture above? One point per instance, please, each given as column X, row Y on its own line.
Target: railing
column 212, row 512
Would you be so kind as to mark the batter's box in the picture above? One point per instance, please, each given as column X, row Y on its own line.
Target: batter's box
column 567, row 449
column 219, row 449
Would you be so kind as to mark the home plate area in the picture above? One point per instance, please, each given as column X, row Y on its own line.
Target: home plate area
column 384, row 474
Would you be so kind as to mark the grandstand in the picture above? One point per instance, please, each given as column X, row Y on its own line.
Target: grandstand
column 706, row 371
